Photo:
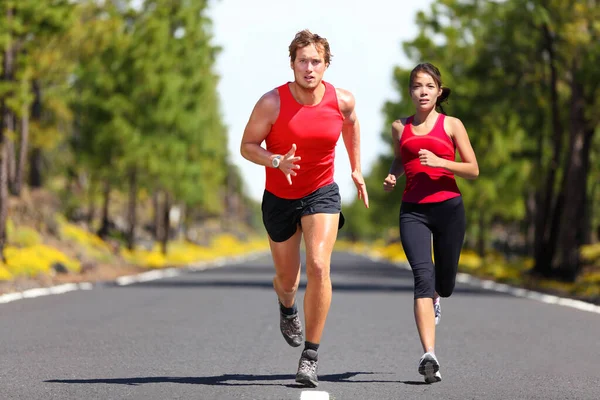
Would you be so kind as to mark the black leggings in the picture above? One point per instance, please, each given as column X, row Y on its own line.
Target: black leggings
column 446, row 222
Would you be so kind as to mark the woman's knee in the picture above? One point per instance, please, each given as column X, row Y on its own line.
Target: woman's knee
column 445, row 290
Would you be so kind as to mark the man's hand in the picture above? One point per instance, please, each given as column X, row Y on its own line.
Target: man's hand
column 361, row 187
column 287, row 164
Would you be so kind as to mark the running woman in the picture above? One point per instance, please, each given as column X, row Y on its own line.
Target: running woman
column 432, row 208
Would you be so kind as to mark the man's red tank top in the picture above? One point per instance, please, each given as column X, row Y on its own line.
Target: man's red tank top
column 315, row 129
column 427, row 184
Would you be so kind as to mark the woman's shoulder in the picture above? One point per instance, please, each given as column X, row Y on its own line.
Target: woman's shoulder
column 401, row 122
column 398, row 126
column 452, row 124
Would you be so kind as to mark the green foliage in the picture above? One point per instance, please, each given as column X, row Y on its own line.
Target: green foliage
column 495, row 58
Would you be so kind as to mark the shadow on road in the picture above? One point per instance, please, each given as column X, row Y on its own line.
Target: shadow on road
column 225, row 380
column 268, row 285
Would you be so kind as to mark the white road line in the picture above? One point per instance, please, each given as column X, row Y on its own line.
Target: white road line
column 514, row 291
column 313, row 395
column 128, row 280
column 38, row 292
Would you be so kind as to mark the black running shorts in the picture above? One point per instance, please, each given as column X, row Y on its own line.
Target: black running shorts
column 281, row 217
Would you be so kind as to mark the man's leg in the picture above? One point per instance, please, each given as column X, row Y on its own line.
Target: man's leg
column 320, row 233
column 286, row 258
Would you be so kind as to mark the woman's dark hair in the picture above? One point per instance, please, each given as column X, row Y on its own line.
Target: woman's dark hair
column 432, row 71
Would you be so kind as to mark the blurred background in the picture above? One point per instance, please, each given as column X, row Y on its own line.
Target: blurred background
column 121, row 123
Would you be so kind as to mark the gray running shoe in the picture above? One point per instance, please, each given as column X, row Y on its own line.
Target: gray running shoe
column 437, row 308
column 291, row 329
column 429, row 367
column 307, row 369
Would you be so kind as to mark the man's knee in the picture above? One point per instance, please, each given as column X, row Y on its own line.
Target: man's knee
column 287, row 285
column 317, row 269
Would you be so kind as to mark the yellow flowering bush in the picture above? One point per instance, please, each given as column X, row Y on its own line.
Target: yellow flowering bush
column 591, row 253
column 469, row 261
column 91, row 244
column 34, row 260
column 182, row 252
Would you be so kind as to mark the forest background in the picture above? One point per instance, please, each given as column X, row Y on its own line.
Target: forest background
column 113, row 150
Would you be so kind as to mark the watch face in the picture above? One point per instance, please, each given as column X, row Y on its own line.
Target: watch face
column 275, row 162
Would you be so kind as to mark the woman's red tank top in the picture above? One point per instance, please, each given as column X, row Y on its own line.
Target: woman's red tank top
column 315, row 129
column 427, row 184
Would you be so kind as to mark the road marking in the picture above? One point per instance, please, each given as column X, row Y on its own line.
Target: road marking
column 504, row 288
column 312, row 395
column 128, row 280
column 38, row 292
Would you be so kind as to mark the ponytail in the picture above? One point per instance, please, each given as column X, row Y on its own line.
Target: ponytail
column 443, row 98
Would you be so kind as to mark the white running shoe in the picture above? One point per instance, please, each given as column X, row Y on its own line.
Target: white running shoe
column 437, row 308
column 429, row 367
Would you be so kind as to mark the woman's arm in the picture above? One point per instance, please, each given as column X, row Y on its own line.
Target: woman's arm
column 468, row 168
column 397, row 168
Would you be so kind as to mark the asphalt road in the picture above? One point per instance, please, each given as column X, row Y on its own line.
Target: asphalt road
column 214, row 334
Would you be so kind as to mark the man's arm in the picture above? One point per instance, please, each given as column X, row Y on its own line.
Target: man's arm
column 350, row 129
column 351, row 136
column 259, row 125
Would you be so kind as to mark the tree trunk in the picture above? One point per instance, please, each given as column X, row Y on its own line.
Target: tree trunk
column 567, row 261
column 4, row 111
column 105, row 226
column 3, row 192
column 132, row 208
column 158, row 215
column 35, row 168
column 481, row 235
column 91, row 204
column 10, row 150
column 36, row 159
column 166, row 224
column 532, row 211
column 23, row 147
column 543, row 247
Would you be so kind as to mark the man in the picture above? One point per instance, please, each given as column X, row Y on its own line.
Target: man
column 301, row 122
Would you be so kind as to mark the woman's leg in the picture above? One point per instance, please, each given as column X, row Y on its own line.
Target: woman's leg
column 448, row 236
column 416, row 241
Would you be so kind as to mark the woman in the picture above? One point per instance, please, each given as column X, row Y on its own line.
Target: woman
column 432, row 207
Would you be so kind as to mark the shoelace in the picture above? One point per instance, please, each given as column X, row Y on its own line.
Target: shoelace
column 308, row 366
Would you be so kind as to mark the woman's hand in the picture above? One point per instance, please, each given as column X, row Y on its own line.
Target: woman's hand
column 389, row 183
column 431, row 160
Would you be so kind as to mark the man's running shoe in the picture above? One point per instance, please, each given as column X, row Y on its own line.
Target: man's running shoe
column 291, row 329
column 429, row 367
column 307, row 369
column 437, row 308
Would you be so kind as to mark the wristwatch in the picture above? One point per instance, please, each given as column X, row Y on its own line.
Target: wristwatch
column 275, row 161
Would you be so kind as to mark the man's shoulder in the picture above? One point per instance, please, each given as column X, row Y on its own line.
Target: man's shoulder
column 345, row 99
column 269, row 101
column 343, row 94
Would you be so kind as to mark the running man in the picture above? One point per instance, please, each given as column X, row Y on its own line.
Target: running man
column 301, row 122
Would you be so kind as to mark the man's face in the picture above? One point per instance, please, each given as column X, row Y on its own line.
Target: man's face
column 309, row 66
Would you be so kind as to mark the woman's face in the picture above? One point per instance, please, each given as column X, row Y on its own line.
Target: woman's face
column 424, row 91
